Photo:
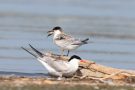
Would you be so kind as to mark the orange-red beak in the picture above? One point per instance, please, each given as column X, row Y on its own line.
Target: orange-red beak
column 83, row 61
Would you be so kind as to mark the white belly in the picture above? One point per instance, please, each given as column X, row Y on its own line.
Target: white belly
column 66, row 45
column 50, row 70
column 69, row 72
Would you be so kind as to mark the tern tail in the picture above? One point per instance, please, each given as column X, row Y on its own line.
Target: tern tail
column 85, row 40
column 38, row 52
column 29, row 52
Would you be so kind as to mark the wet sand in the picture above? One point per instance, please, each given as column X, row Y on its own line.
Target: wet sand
column 27, row 83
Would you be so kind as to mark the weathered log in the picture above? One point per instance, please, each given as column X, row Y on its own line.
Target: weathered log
column 91, row 69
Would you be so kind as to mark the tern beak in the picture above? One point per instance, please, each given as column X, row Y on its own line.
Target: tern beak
column 50, row 33
column 84, row 61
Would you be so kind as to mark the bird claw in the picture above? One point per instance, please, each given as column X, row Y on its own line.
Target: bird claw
column 60, row 78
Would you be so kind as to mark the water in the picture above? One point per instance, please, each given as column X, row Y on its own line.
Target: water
column 109, row 25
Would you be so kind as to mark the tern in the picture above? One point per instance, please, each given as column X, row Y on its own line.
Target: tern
column 57, row 68
column 65, row 41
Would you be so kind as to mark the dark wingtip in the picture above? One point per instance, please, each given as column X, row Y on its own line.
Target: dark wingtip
column 38, row 52
column 29, row 52
column 85, row 41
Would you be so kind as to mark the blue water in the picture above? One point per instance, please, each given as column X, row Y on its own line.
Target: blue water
column 109, row 24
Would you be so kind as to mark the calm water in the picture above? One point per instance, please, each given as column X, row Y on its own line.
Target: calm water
column 110, row 25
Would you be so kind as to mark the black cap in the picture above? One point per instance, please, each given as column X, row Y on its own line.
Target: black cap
column 74, row 57
column 57, row 28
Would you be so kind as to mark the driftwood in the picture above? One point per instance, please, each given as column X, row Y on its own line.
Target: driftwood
column 92, row 70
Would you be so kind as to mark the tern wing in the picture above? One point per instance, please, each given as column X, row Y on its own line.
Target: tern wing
column 80, row 42
column 64, row 37
column 58, row 65
column 71, row 40
column 61, row 66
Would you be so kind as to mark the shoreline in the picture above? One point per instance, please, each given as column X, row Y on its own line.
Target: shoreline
column 15, row 81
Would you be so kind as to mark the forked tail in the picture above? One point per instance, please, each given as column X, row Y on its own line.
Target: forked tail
column 85, row 40
column 29, row 52
column 40, row 54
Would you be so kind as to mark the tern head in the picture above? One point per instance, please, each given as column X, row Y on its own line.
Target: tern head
column 77, row 58
column 55, row 30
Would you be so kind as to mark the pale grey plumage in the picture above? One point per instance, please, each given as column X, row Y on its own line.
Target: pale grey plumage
column 65, row 41
column 55, row 67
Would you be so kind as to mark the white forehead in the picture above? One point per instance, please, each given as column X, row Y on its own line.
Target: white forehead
column 57, row 31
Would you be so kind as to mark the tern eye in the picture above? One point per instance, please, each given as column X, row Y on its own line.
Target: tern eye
column 61, row 38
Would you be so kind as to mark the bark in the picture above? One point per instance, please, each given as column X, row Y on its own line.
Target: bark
column 93, row 70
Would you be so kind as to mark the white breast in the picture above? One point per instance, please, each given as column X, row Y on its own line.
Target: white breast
column 50, row 70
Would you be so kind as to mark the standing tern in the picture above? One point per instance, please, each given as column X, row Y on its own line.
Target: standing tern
column 64, row 41
column 57, row 68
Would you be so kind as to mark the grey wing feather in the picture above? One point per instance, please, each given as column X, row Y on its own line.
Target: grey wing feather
column 69, row 40
column 73, row 40
column 66, row 38
column 80, row 42
column 58, row 65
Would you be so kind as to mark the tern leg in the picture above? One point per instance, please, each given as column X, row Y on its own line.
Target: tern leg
column 68, row 53
column 60, row 77
column 62, row 52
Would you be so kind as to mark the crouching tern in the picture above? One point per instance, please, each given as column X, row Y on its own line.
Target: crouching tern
column 64, row 41
column 57, row 68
